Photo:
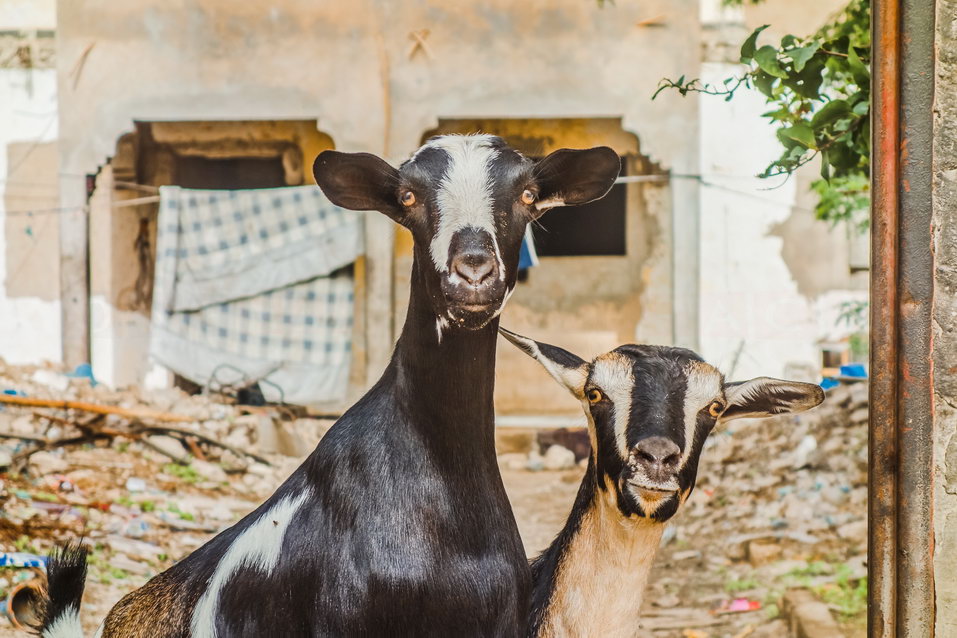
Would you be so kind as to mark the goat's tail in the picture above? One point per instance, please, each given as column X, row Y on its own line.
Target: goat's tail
column 66, row 576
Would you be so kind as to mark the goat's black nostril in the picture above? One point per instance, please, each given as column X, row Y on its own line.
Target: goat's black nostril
column 658, row 451
column 474, row 267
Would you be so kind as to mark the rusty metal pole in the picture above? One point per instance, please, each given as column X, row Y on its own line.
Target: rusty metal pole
column 882, row 439
column 900, row 508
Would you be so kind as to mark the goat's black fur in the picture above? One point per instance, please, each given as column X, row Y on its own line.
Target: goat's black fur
column 66, row 577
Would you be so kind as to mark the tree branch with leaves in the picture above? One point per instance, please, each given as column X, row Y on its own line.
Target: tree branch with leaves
column 819, row 88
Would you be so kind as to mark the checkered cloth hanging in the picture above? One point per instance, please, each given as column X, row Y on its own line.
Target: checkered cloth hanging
column 256, row 284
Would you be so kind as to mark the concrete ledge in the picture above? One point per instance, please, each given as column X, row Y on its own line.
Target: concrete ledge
column 808, row 617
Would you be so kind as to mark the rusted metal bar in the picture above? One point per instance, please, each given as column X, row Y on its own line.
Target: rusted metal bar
column 915, row 298
column 882, row 439
column 900, row 509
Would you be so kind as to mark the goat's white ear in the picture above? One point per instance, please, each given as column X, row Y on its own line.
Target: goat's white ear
column 358, row 181
column 569, row 177
column 765, row 396
column 568, row 369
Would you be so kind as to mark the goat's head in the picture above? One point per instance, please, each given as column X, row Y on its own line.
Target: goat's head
column 650, row 409
column 467, row 200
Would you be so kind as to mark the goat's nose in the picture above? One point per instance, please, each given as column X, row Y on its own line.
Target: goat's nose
column 474, row 266
column 657, row 455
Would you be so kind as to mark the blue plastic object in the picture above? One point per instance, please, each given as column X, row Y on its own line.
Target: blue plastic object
column 856, row 370
column 829, row 382
column 22, row 559
column 83, row 371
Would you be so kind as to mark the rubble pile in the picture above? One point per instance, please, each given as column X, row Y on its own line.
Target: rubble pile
column 779, row 511
column 145, row 477
column 780, row 504
column 143, row 485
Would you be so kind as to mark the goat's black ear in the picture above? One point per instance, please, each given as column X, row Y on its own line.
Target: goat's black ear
column 569, row 177
column 358, row 181
column 568, row 369
column 765, row 396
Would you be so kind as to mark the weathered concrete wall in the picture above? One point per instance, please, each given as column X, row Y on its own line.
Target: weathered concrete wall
column 352, row 67
column 356, row 70
column 945, row 318
column 378, row 76
column 29, row 264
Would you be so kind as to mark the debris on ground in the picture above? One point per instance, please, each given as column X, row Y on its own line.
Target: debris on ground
column 780, row 503
column 144, row 477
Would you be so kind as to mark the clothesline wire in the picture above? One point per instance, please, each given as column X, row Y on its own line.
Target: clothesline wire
column 628, row 179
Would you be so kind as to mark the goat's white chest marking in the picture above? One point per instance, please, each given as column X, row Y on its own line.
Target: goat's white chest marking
column 464, row 195
column 441, row 323
column 602, row 577
column 258, row 547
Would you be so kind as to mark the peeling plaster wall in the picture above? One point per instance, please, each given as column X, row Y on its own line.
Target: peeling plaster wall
column 352, row 66
column 29, row 287
column 355, row 70
column 945, row 318
column 773, row 279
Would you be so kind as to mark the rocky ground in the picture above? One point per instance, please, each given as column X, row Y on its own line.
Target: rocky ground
column 780, row 503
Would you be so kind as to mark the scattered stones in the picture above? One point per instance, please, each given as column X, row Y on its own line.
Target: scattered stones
column 134, row 548
column 802, row 453
column 42, row 463
column 558, row 458
column 134, row 484
column 535, row 462
column 513, row 461
column 762, row 552
column 515, row 441
column 209, row 471
column 808, row 617
column 667, row 601
column 169, row 446
column 854, row 531
column 6, row 457
column 779, row 503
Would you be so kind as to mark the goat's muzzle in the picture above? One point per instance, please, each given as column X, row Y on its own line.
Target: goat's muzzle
column 474, row 287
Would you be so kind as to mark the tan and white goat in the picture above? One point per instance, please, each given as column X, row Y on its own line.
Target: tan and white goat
column 649, row 411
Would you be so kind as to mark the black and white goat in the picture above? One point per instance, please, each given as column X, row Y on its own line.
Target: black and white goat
column 649, row 411
column 398, row 523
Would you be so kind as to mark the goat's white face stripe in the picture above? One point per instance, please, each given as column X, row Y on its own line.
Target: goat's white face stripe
column 464, row 195
column 704, row 386
column 612, row 373
column 257, row 547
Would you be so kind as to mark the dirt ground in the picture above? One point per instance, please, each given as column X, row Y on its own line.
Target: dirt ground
column 685, row 585
column 779, row 504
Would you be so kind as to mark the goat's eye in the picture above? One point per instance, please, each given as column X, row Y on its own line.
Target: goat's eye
column 408, row 198
column 594, row 396
column 715, row 409
column 528, row 197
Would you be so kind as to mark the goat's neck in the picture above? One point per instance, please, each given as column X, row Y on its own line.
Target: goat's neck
column 445, row 385
column 603, row 567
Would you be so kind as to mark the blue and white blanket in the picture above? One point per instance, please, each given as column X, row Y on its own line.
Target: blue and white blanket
column 256, row 284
